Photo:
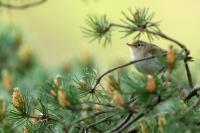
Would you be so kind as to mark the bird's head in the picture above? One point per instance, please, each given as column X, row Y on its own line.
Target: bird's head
column 138, row 47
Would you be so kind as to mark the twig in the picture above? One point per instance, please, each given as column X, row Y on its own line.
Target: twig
column 133, row 130
column 182, row 46
column 95, row 114
column 128, row 123
column 192, row 93
column 188, row 73
column 164, row 36
column 118, row 67
column 78, row 109
column 103, row 104
column 132, row 100
column 122, row 123
column 118, row 25
column 40, row 117
column 98, row 122
column 24, row 6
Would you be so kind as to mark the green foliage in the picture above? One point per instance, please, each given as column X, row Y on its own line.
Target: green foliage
column 98, row 29
column 10, row 40
column 137, row 23
column 140, row 19
column 78, row 99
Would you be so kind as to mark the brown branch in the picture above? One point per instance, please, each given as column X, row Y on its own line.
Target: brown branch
column 102, row 104
column 128, row 117
column 118, row 25
column 128, row 123
column 187, row 52
column 95, row 114
column 98, row 122
column 118, row 67
column 122, row 123
column 188, row 73
column 192, row 93
column 133, row 130
column 159, row 33
column 164, row 36
column 139, row 115
column 39, row 117
column 23, row 6
column 78, row 109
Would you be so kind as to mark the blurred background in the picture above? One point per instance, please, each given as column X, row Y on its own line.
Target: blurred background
column 53, row 29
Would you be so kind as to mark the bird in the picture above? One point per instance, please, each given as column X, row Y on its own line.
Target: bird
column 141, row 49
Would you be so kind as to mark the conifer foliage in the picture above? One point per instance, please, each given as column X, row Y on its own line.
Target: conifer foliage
column 82, row 99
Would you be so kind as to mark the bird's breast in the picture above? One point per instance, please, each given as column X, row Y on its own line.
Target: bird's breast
column 147, row 66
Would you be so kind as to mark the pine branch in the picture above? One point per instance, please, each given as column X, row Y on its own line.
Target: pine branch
column 116, row 68
column 102, row 104
column 122, row 123
column 23, row 6
column 98, row 122
column 40, row 117
column 164, row 36
column 62, row 106
column 187, row 54
column 95, row 114
column 192, row 93
column 140, row 21
column 129, row 121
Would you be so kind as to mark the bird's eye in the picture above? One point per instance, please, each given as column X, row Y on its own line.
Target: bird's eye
column 139, row 45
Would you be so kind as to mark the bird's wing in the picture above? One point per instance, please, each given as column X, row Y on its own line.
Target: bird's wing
column 153, row 49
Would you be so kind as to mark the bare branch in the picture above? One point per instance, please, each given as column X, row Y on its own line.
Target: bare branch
column 98, row 122
column 128, row 123
column 23, row 6
column 192, row 93
column 118, row 67
column 164, row 36
column 95, row 114
column 139, row 115
column 122, row 123
column 187, row 52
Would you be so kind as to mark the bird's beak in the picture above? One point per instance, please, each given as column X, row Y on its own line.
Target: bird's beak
column 129, row 44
